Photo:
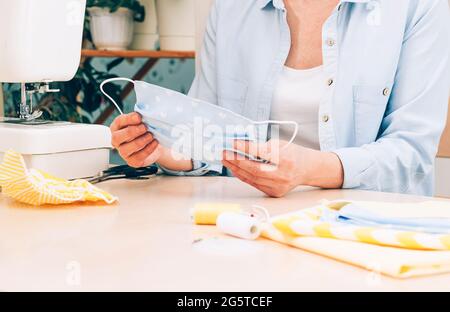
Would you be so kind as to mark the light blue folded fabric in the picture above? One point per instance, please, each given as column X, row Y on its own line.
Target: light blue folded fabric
column 356, row 215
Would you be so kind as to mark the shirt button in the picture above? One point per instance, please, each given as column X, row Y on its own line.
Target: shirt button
column 331, row 42
column 386, row 91
column 330, row 82
column 325, row 118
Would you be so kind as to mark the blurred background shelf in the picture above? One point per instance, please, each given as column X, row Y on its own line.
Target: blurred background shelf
column 139, row 54
column 152, row 56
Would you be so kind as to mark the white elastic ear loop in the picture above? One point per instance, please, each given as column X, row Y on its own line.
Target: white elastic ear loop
column 279, row 122
column 108, row 96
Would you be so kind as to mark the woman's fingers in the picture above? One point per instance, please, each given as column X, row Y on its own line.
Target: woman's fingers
column 127, row 134
column 245, row 179
column 134, row 146
column 261, row 176
column 268, row 151
column 145, row 157
column 256, row 149
column 252, row 167
column 267, row 189
column 124, row 121
column 134, row 143
column 252, row 179
column 126, row 128
column 154, row 156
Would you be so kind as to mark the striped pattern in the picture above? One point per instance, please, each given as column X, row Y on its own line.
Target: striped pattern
column 37, row 188
column 307, row 223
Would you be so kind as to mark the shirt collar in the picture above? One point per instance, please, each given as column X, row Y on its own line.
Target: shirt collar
column 279, row 4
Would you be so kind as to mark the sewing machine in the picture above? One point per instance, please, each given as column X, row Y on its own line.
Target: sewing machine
column 40, row 42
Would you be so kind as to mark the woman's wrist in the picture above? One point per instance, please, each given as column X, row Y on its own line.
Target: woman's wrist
column 174, row 162
column 324, row 169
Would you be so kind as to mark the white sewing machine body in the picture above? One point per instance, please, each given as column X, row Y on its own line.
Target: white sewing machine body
column 41, row 43
column 40, row 39
column 63, row 149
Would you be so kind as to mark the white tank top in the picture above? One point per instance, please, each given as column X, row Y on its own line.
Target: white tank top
column 297, row 97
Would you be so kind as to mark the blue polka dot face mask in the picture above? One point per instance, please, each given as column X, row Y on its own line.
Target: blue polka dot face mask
column 192, row 128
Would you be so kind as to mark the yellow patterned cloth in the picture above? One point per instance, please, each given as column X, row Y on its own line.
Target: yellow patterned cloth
column 391, row 261
column 308, row 223
column 367, row 248
column 34, row 187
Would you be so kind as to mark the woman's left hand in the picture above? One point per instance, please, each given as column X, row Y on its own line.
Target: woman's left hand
column 290, row 167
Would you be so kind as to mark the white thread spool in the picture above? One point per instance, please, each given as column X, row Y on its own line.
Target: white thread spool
column 239, row 225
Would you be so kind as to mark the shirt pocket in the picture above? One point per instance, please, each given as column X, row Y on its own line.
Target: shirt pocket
column 232, row 93
column 369, row 107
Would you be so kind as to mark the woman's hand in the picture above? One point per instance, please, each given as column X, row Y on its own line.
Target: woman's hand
column 290, row 167
column 138, row 147
column 135, row 144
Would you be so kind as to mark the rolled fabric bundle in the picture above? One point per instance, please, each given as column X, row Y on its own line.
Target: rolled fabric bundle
column 314, row 222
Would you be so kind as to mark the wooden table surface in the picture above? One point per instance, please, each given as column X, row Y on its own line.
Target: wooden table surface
column 148, row 243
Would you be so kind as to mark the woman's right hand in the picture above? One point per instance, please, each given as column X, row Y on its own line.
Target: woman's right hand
column 133, row 141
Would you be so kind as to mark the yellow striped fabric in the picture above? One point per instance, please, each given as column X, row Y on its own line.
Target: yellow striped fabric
column 307, row 223
column 37, row 188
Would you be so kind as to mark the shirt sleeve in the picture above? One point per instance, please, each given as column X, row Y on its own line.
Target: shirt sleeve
column 198, row 169
column 204, row 88
column 405, row 150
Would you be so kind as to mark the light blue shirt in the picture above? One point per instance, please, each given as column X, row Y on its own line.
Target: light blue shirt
column 387, row 88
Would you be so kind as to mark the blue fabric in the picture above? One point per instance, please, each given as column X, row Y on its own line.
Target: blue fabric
column 356, row 215
column 387, row 63
column 193, row 128
column 198, row 169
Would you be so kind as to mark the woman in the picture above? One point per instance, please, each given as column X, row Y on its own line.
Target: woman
column 366, row 80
